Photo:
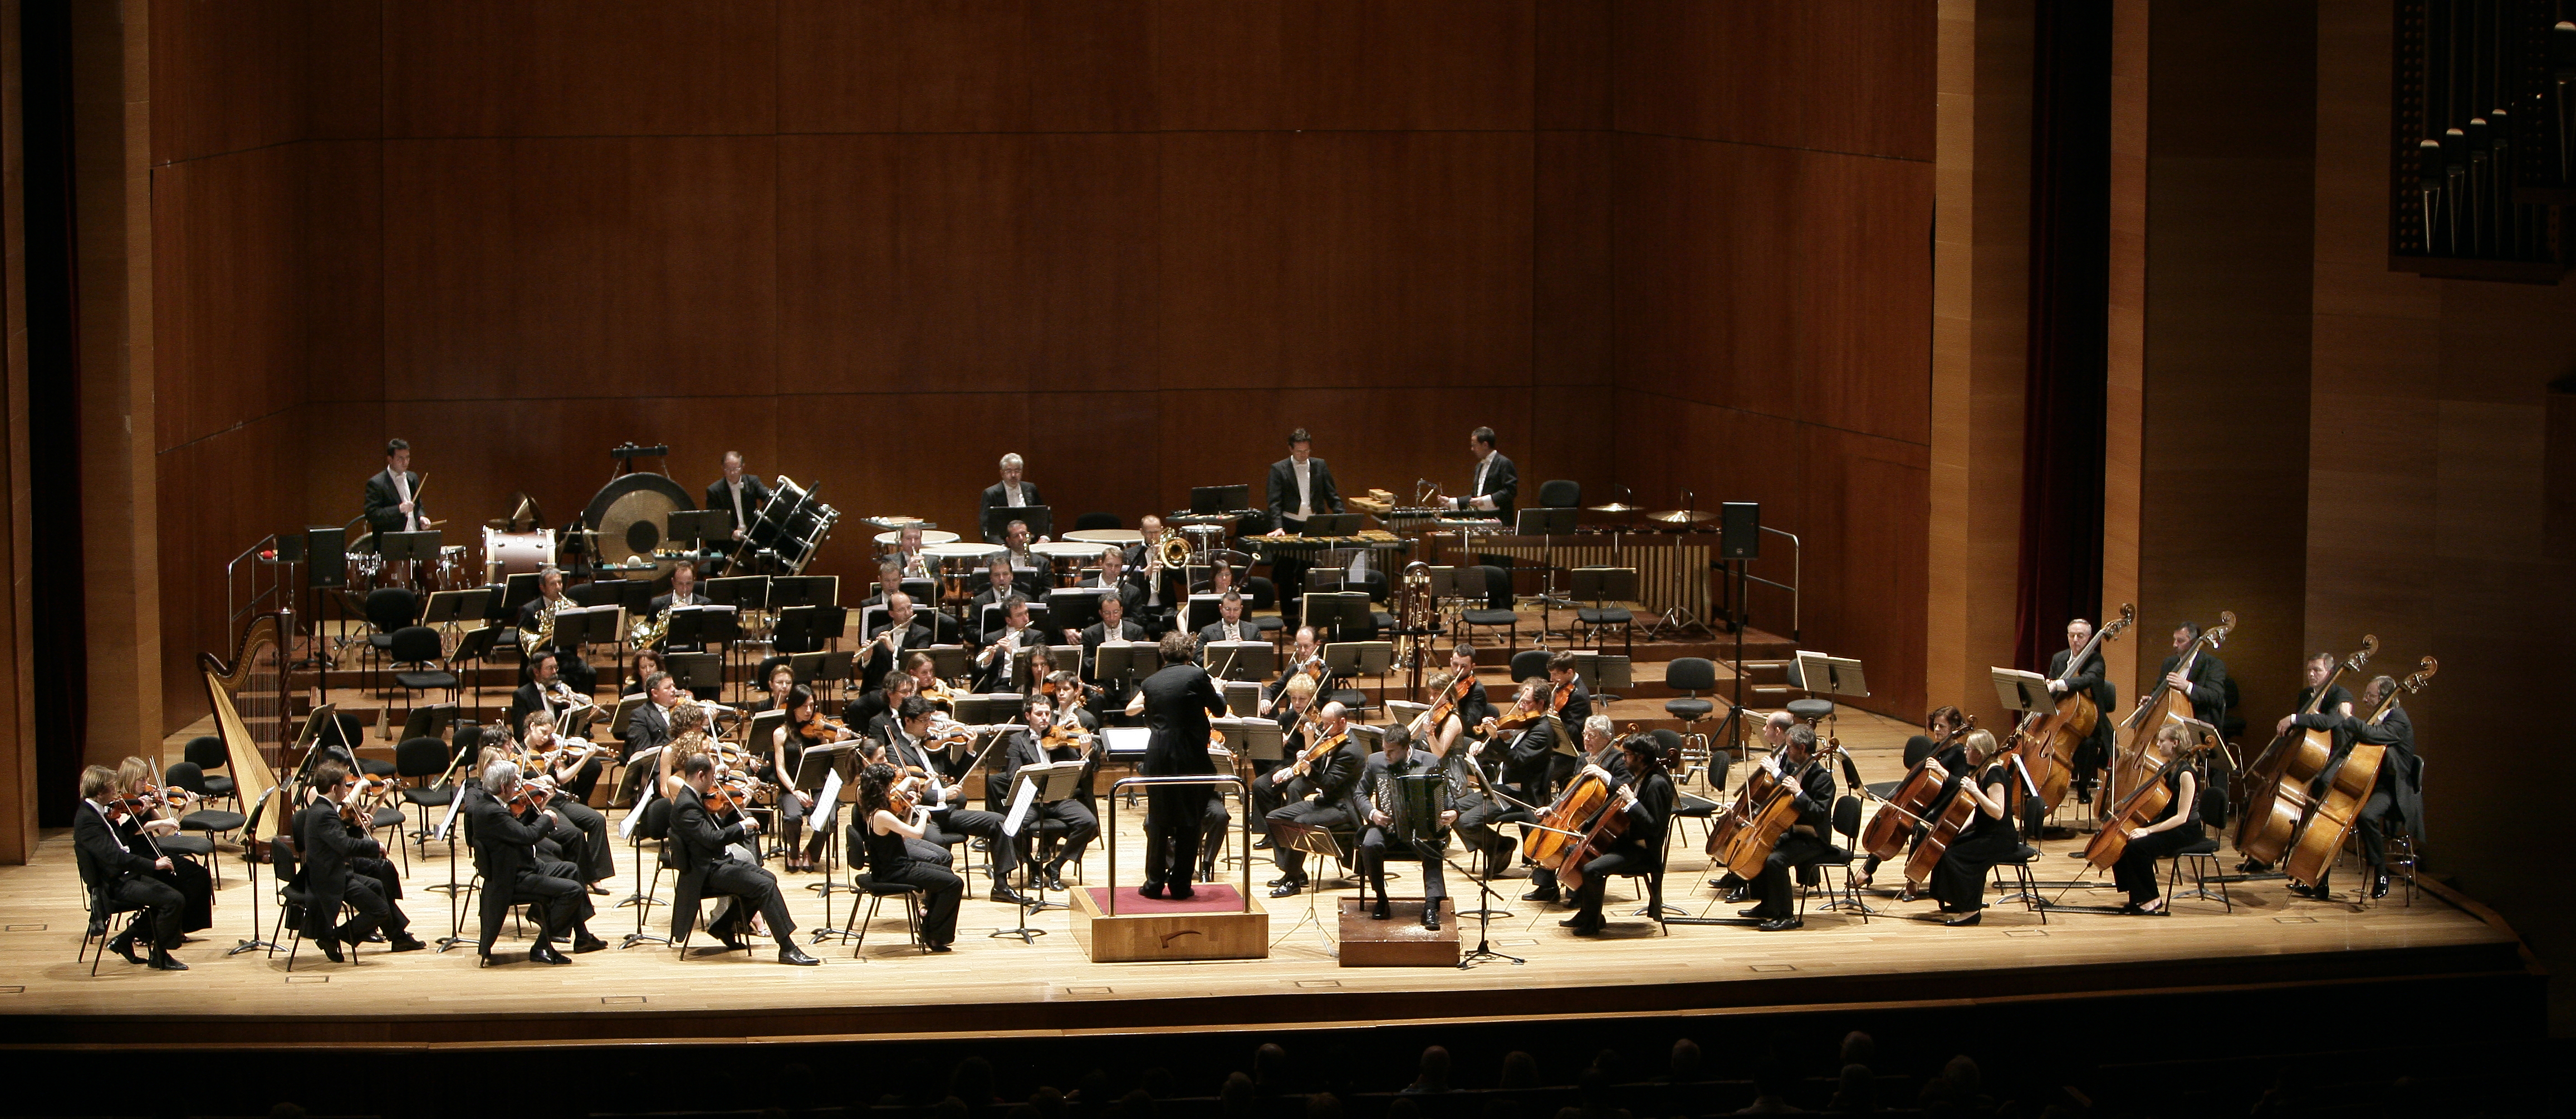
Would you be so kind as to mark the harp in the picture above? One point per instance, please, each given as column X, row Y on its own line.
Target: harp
column 248, row 697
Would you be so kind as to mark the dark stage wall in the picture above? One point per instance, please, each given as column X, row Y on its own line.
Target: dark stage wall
column 1665, row 245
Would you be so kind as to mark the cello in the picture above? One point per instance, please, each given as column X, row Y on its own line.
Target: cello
column 2166, row 704
column 2147, row 801
column 1895, row 819
column 1759, row 832
column 1608, row 826
column 2047, row 739
column 2279, row 780
column 2348, row 787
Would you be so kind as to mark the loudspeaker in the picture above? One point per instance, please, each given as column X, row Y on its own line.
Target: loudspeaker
column 1740, row 530
column 326, row 549
column 290, row 547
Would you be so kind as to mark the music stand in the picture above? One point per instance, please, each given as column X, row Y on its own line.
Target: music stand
column 1206, row 610
column 742, row 592
column 1252, row 737
column 694, row 527
column 1241, row 660
column 1829, row 675
column 949, row 662
column 697, row 672
column 1073, row 608
column 997, row 518
column 1044, row 783
column 988, row 709
column 1123, row 663
column 1331, row 612
column 804, row 590
column 2022, row 691
column 1289, row 835
column 408, row 547
column 1353, row 659
column 1208, row 500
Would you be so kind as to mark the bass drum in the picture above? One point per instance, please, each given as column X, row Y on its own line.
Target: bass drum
column 630, row 515
column 516, row 553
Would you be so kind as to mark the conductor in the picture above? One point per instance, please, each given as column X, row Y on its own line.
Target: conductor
column 1176, row 702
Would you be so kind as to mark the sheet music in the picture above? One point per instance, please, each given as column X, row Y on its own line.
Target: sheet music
column 1021, row 799
column 831, row 793
column 454, row 806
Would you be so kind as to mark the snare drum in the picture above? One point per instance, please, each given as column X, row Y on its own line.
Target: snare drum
column 957, row 566
column 1066, row 558
column 516, row 553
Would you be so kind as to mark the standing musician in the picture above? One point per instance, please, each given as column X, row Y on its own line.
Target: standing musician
column 739, row 494
column 702, row 853
column 1804, row 769
column 1162, row 585
column 551, row 598
column 1378, row 783
column 2176, row 828
column 1028, row 746
column 2318, row 669
column 901, row 634
column 1300, row 486
column 505, row 853
column 153, row 817
column 895, row 854
column 1010, row 492
column 118, row 878
column 1320, row 794
column 684, row 592
column 335, row 872
column 1176, row 701
column 1648, row 800
column 2397, row 798
column 993, row 665
column 908, row 745
column 1113, row 626
column 389, row 503
column 1959, row 880
column 2207, row 687
column 2090, row 677
column 1951, row 756
column 1599, row 760
column 1496, row 482
column 572, row 766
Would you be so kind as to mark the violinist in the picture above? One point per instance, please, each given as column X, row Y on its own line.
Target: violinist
column 891, row 838
column 688, row 735
column 154, row 818
column 1001, row 649
column 1804, row 769
column 908, row 745
column 1471, row 779
column 1305, row 659
column 703, row 854
column 2398, row 797
column 572, row 763
column 118, row 878
column 1050, row 737
column 1572, row 704
column 901, row 634
column 1648, row 799
column 1599, row 760
column 1941, row 742
column 805, row 726
column 2089, row 677
column 1396, row 759
column 1959, row 881
column 333, row 873
column 1529, row 736
column 506, row 819
column 1321, row 793
column 2172, row 830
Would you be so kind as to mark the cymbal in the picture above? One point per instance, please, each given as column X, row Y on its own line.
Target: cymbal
column 1614, row 507
column 1681, row 516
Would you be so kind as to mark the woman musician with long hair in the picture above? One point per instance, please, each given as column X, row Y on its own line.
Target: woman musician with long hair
column 155, row 817
column 890, row 821
column 1959, row 880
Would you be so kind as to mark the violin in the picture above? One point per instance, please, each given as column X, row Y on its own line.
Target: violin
column 1448, row 702
column 1313, row 670
column 905, row 795
column 730, row 793
column 1517, row 719
column 824, row 728
column 530, row 795
column 1323, row 747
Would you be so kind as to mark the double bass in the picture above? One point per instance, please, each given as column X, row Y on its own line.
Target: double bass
column 2277, row 783
column 2166, row 704
column 1895, row 819
column 2348, row 787
column 2046, row 740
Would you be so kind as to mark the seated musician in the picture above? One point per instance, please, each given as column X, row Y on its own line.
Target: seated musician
column 1465, row 760
column 908, row 746
column 550, row 599
column 157, row 809
column 895, row 849
column 1305, row 658
column 2092, row 678
column 1939, row 727
column 1010, row 492
column 544, row 692
column 1015, row 547
column 907, row 553
column 650, row 724
column 1774, row 734
column 1114, row 577
column 1230, row 625
column 889, row 582
column 1803, row 768
column 901, row 633
column 2177, row 827
column 116, row 877
column 1959, row 882
column 1028, row 746
column 1378, row 795
column 2397, row 799
column 1220, row 578
column 1162, row 586
column 1648, row 800
column 701, row 851
column 645, row 663
column 1000, row 583
column 1601, row 758
column 804, row 727
column 778, row 681
column 335, row 873
column 872, row 714
column 1572, row 703
column 573, row 765
column 1113, row 626
column 505, row 853
column 1318, row 794
column 993, row 665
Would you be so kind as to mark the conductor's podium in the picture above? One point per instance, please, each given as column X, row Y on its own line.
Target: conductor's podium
column 1216, row 923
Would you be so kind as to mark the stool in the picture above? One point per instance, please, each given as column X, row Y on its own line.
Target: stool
column 877, row 892
column 1811, row 710
column 2397, row 848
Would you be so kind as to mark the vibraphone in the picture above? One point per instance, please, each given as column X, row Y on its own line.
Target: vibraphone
column 1328, row 551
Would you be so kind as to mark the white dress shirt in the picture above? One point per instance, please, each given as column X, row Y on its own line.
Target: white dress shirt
column 1304, row 469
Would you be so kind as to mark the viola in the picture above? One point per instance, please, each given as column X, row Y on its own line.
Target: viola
column 2279, row 780
column 2167, row 704
column 1894, row 820
column 2048, row 739
column 2347, row 789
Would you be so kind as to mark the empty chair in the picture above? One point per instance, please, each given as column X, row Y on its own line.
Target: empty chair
column 1495, row 585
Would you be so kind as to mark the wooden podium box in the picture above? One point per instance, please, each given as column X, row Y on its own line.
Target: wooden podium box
column 1400, row 940
column 1210, row 926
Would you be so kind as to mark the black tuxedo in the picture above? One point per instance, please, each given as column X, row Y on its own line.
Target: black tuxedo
column 1805, row 844
column 336, row 869
column 1529, row 763
column 1179, row 699
column 2397, row 797
column 1375, row 775
column 1502, row 483
column 976, row 634
column 505, row 853
column 524, row 701
column 1332, row 783
column 1114, row 696
column 1322, row 497
column 1215, row 631
column 995, row 497
column 2208, row 692
column 720, row 496
column 879, row 661
column 119, row 878
column 383, row 504
column 646, row 727
column 952, row 817
column 993, row 677
column 697, row 849
column 1131, row 595
column 2093, row 679
column 1081, row 826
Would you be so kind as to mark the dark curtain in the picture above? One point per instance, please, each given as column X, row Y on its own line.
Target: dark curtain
column 53, row 410
column 2060, row 570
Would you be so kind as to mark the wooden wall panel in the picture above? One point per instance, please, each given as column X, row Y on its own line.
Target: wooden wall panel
column 343, row 297
column 579, row 68
column 1218, row 65
column 551, row 267
column 344, row 70
column 228, row 77
column 1224, row 237
column 964, row 304
column 1572, row 83
column 1573, row 326
column 840, row 303
column 1090, row 267
column 1832, row 75
column 227, row 283
column 1434, row 64
column 838, row 69
column 218, row 495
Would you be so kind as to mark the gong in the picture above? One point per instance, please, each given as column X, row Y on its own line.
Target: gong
column 631, row 513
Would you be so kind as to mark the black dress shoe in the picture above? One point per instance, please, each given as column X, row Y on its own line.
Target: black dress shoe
column 1181, row 891
column 1755, row 912
column 587, row 943
column 2305, row 892
column 793, row 955
column 596, row 888
column 546, row 954
column 1575, row 922
column 162, row 961
column 1155, row 890
column 330, row 949
column 1287, row 888
column 1053, row 882
column 1781, row 924
column 1380, row 912
column 1262, row 844
column 2379, row 886
column 941, row 948
column 415, row 944
column 1739, row 893
column 124, row 946
column 1540, row 895
column 1009, row 896
column 1964, row 920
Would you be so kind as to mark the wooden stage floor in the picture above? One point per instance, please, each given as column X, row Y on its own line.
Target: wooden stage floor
column 991, row 987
